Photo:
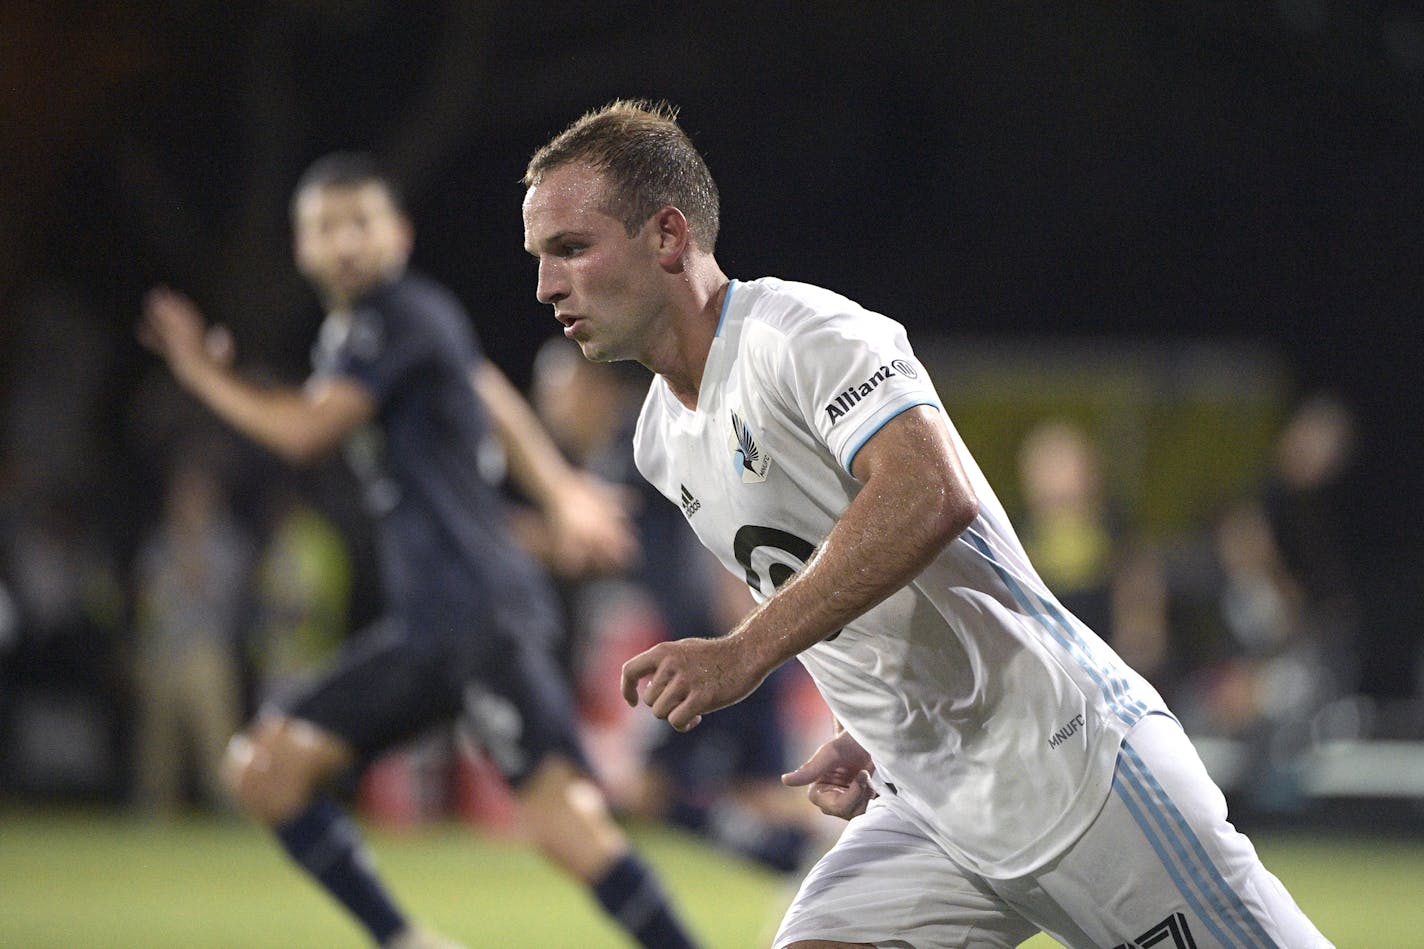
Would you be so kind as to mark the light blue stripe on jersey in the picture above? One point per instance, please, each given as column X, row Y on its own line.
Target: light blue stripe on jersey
column 1113, row 686
column 1121, row 690
column 726, row 301
column 850, row 458
column 1185, row 859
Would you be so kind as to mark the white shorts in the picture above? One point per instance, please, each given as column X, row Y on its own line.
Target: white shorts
column 1159, row 867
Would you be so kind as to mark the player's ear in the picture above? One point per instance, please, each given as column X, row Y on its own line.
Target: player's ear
column 407, row 234
column 669, row 227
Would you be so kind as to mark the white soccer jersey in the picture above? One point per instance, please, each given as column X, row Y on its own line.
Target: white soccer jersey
column 986, row 707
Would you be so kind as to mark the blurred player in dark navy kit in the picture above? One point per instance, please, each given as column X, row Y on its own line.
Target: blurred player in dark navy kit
column 471, row 625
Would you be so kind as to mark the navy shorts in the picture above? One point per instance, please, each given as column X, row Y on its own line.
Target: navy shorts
column 389, row 686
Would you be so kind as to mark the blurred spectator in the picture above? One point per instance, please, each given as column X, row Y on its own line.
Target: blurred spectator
column 1304, row 506
column 191, row 586
column 64, row 579
column 1083, row 549
column 722, row 780
column 1267, row 671
column 60, row 714
column 302, row 593
column 1284, row 671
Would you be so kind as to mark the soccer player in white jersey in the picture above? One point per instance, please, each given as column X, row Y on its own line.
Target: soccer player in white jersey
column 1003, row 771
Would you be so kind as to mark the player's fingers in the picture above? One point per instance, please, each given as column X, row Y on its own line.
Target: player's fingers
column 161, row 320
column 633, row 671
column 813, row 769
column 659, row 681
column 826, row 797
column 219, row 344
column 155, row 332
column 617, row 540
column 172, row 308
column 685, row 716
column 621, row 551
column 839, row 800
column 664, row 697
column 686, row 726
column 159, row 301
column 845, row 806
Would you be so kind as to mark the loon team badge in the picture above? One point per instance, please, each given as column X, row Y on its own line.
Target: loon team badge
column 750, row 461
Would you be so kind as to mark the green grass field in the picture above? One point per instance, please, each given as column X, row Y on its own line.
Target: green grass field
column 90, row 880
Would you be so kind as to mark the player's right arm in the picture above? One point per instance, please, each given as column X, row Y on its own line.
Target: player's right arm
column 915, row 499
column 300, row 425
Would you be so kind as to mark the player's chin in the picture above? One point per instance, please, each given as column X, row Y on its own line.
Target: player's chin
column 352, row 282
column 592, row 350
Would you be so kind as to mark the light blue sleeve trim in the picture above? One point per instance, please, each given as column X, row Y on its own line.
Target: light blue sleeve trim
column 726, row 301
column 850, row 458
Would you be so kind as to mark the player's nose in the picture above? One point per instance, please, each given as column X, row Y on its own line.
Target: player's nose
column 552, row 285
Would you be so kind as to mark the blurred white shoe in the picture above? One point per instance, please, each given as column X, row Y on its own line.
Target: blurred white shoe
column 417, row 938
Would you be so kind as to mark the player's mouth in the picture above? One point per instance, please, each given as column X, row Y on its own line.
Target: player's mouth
column 571, row 324
column 352, row 276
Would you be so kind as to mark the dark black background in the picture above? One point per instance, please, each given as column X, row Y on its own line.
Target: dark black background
column 1236, row 170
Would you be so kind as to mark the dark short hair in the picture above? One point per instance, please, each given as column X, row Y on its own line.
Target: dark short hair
column 648, row 160
column 346, row 170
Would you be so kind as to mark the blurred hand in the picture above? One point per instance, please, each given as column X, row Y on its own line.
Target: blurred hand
column 837, row 777
column 689, row 677
column 219, row 344
column 591, row 527
column 173, row 327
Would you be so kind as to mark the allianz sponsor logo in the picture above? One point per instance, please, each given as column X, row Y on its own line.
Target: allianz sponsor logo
column 1067, row 731
column 838, row 407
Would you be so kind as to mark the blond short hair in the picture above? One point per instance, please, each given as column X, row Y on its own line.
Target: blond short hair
column 647, row 160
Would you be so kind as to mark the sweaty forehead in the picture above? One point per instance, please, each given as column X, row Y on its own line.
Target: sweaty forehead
column 568, row 198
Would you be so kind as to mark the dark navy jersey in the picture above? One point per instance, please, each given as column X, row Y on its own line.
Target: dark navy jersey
column 448, row 562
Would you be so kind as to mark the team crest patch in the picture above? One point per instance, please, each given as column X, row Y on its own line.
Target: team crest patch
column 749, row 460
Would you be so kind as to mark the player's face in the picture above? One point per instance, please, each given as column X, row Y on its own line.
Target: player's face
column 349, row 239
column 605, row 286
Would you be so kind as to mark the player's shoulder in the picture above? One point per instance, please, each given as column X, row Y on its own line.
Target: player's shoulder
column 414, row 296
column 416, row 307
column 788, row 304
column 784, row 319
column 789, row 308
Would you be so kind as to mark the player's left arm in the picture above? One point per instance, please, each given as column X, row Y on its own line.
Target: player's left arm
column 591, row 528
column 302, row 425
column 836, row 776
column 914, row 500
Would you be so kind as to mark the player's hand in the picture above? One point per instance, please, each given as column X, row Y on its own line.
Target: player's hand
column 174, row 328
column 836, row 777
column 687, row 678
column 592, row 528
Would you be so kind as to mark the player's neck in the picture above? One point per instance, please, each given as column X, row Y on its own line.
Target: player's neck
column 691, row 339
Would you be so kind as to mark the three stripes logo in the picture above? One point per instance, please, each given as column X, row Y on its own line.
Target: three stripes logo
column 1170, row 933
column 690, row 505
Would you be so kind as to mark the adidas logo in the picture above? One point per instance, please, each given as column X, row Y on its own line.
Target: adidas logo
column 690, row 505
